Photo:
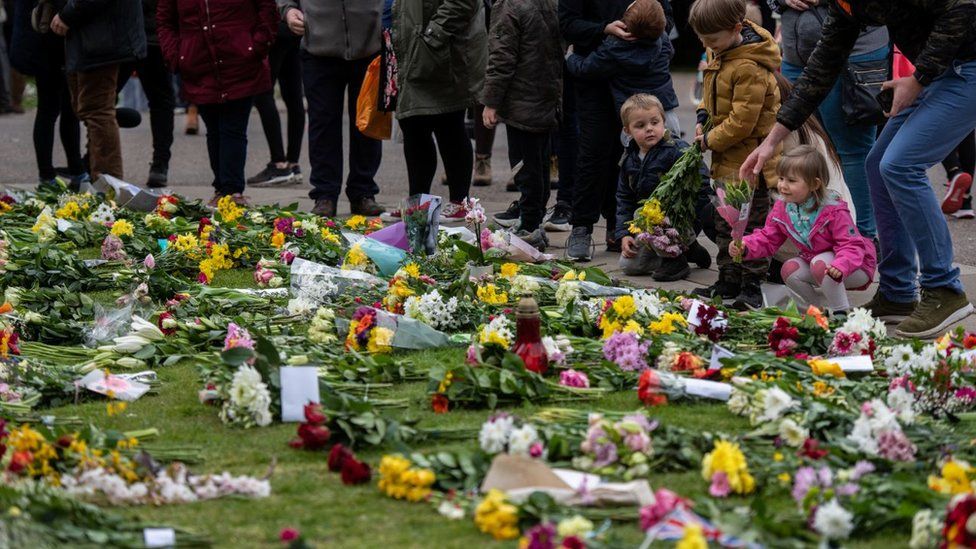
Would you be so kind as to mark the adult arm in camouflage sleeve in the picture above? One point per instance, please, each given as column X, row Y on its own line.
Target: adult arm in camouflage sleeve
column 954, row 20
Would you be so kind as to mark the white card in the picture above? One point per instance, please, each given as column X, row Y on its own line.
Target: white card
column 120, row 387
column 159, row 537
column 718, row 353
column 708, row 389
column 299, row 386
column 853, row 364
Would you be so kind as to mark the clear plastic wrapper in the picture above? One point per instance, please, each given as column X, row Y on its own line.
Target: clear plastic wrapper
column 315, row 283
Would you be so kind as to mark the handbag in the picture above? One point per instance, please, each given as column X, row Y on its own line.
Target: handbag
column 371, row 121
column 860, row 86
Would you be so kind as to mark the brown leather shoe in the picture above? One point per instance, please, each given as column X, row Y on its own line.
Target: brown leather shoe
column 324, row 207
column 366, row 206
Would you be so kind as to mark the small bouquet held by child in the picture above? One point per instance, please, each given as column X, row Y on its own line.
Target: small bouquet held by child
column 733, row 202
column 665, row 220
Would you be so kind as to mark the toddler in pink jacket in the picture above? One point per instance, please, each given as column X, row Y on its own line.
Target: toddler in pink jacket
column 834, row 257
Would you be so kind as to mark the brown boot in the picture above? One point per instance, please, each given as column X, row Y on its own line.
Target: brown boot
column 192, row 120
column 366, row 206
column 324, row 207
column 482, row 170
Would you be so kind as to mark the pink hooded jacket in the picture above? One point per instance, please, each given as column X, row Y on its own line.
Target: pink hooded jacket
column 833, row 231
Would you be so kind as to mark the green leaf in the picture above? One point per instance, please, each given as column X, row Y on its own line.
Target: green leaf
column 235, row 356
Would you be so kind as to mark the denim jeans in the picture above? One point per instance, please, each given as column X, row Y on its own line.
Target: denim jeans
column 327, row 81
column 852, row 143
column 227, row 142
column 913, row 141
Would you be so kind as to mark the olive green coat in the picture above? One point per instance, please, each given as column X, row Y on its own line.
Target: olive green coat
column 442, row 49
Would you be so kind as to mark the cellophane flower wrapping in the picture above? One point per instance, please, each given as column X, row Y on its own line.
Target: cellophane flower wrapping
column 733, row 201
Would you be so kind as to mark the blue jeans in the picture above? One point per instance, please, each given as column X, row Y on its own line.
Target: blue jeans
column 852, row 143
column 913, row 141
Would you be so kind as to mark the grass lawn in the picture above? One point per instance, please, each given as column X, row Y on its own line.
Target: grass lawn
column 305, row 495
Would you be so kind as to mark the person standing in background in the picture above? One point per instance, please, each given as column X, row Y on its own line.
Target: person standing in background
column 220, row 48
column 340, row 40
column 99, row 36
column 156, row 81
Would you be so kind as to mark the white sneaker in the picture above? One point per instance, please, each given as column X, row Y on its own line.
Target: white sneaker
column 964, row 214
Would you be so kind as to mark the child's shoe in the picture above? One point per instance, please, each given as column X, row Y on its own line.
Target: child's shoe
column 698, row 255
column 721, row 289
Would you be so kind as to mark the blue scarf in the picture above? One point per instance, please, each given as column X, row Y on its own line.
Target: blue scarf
column 802, row 217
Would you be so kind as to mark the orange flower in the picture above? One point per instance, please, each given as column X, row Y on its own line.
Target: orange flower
column 6, row 308
column 440, row 404
column 818, row 315
column 969, row 341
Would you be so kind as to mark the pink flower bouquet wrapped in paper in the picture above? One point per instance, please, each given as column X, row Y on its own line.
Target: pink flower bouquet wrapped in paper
column 734, row 201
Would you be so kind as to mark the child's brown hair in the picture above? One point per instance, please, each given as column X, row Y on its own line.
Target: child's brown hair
column 640, row 102
column 645, row 19
column 711, row 16
column 805, row 162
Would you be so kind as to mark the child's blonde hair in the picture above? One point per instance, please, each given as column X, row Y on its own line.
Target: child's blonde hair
column 805, row 162
column 639, row 102
column 711, row 16
column 645, row 19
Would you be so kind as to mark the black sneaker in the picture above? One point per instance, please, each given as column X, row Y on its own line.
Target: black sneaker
column 698, row 255
column 671, row 269
column 510, row 217
column 270, row 176
column 579, row 247
column 158, row 177
column 721, row 289
column 296, row 173
column 749, row 299
column 558, row 219
column 537, row 238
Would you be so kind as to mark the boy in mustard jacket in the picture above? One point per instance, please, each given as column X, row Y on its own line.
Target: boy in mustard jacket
column 740, row 98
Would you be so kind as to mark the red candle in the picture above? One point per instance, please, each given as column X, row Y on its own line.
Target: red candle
column 528, row 337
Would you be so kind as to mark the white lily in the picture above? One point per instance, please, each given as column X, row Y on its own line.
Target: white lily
column 129, row 344
column 144, row 328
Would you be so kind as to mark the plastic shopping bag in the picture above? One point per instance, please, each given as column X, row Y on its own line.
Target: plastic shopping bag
column 370, row 120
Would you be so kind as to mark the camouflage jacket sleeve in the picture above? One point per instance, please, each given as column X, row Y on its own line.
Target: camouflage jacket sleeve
column 824, row 66
column 954, row 20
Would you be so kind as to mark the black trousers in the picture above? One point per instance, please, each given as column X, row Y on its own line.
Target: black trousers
column 227, row 142
column 532, row 150
column 599, row 155
column 157, row 82
column 420, row 152
column 567, row 146
column 54, row 102
column 327, row 81
column 286, row 70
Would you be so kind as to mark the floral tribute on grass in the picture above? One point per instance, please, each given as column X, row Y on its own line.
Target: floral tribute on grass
column 858, row 433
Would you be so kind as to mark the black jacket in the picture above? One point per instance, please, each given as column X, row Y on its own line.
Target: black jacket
column 523, row 80
column 582, row 22
column 102, row 32
column 931, row 33
column 149, row 19
column 639, row 178
column 641, row 66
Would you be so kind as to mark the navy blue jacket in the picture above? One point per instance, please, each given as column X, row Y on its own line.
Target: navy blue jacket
column 583, row 21
column 641, row 66
column 639, row 178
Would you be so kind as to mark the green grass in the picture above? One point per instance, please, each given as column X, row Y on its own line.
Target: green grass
column 305, row 495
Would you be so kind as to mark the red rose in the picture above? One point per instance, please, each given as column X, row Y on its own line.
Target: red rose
column 338, row 456
column 314, row 415
column 314, row 437
column 440, row 403
column 647, row 389
column 296, row 443
column 64, row 441
column 19, row 461
column 355, row 472
column 811, row 449
column 572, row 542
column 288, row 534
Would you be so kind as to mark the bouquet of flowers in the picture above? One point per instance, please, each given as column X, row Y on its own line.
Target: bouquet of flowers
column 379, row 332
column 617, row 448
column 653, row 228
column 505, row 433
column 734, row 200
column 406, row 282
column 268, row 273
column 421, row 213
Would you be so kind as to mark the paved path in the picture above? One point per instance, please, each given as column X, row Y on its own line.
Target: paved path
column 190, row 175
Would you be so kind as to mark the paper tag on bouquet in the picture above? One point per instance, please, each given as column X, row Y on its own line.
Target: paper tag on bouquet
column 299, row 386
column 117, row 387
column 718, row 353
column 708, row 389
column 860, row 364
